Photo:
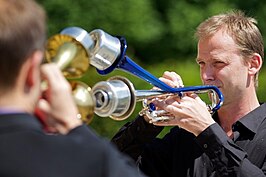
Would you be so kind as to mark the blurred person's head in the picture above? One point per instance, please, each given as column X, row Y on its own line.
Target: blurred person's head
column 22, row 38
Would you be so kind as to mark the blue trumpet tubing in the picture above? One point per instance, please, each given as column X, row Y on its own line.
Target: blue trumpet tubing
column 125, row 63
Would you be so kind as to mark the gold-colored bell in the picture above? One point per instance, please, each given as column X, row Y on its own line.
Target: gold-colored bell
column 73, row 60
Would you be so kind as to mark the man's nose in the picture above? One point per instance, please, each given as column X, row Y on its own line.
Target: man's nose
column 207, row 74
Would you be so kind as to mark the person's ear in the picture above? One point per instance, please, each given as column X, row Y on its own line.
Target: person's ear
column 255, row 64
column 34, row 67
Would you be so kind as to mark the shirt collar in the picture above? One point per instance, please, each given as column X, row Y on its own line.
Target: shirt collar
column 251, row 121
column 10, row 111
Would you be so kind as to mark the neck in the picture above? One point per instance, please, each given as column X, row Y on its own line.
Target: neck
column 14, row 102
column 231, row 112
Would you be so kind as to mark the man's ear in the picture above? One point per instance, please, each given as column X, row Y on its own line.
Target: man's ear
column 34, row 67
column 255, row 64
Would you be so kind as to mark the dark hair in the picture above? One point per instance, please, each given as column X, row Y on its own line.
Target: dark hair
column 23, row 31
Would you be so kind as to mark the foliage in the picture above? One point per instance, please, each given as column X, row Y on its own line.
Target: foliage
column 154, row 29
column 137, row 20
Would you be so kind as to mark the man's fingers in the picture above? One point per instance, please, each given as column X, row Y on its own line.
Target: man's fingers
column 174, row 77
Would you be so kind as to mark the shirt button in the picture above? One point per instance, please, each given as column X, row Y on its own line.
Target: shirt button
column 205, row 146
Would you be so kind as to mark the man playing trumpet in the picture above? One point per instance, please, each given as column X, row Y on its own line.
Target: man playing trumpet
column 229, row 143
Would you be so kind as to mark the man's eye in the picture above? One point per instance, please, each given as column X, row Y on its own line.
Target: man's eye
column 200, row 63
column 219, row 63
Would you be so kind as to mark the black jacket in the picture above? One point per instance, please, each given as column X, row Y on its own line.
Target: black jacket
column 26, row 151
column 181, row 154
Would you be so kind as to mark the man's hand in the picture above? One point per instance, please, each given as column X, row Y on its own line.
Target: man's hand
column 57, row 108
column 170, row 78
column 190, row 113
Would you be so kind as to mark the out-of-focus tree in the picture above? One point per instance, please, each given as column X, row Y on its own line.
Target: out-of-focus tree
column 137, row 20
column 154, row 29
column 185, row 16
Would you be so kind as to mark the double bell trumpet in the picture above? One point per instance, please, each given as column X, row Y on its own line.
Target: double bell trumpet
column 117, row 98
column 106, row 53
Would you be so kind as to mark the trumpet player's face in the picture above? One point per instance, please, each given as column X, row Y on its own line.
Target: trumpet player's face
column 222, row 65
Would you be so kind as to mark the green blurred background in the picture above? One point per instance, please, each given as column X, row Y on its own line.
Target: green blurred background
column 159, row 35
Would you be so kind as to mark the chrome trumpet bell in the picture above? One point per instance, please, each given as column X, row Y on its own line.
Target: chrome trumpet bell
column 115, row 98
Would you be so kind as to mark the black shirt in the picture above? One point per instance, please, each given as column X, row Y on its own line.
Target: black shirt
column 26, row 151
column 212, row 153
